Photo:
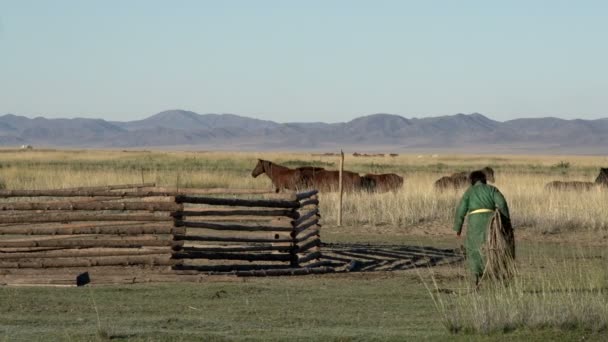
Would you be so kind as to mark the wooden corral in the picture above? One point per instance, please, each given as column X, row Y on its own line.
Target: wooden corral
column 135, row 233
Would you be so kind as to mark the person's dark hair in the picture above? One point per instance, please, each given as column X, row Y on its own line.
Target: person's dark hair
column 477, row 176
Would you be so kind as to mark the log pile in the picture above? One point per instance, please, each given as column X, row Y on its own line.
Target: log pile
column 156, row 233
column 242, row 235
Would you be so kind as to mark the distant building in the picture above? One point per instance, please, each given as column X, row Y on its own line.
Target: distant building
column 27, row 147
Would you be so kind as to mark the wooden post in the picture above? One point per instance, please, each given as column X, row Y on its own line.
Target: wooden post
column 340, row 188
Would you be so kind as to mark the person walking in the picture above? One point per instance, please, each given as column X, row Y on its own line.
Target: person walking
column 480, row 204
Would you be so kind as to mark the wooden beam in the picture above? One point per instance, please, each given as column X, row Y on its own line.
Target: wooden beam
column 131, row 229
column 229, row 239
column 90, row 262
column 216, row 226
column 237, row 202
column 110, row 187
column 87, row 252
column 76, row 217
column 80, row 243
column 232, row 212
column 233, row 256
column 304, row 195
column 88, row 205
column 303, row 218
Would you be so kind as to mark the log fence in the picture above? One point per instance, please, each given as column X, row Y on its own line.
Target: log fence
column 114, row 231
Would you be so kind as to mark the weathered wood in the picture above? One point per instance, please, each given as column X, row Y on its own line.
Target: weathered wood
column 132, row 229
column 228, row 233
column 314, row 202
column 236, row 202
column 226, row 268
column 211, row 191
column 302, row 258
column 304, row 226
column 87, row 252
column 308, row 245
column 236, row 248
column 233, row 256
column 304, row 195
column 110, row 187
column 90, row 262
column 79, row 243
column 76, row 217
column 216, row 226
column 89, row 205
column 303, row 218
column 228, row 239
column 267, row 220
column 231, row 212
column 83, row 193
column 308, row 235
column 285, row 272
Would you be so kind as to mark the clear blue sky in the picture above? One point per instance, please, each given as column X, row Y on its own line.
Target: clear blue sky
column 304, row 60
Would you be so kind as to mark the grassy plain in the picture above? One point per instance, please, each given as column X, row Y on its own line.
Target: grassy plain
column 560, row 294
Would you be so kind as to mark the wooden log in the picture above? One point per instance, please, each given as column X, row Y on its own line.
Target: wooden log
column 77, row 217
column 90, row 262
column 231, row 212
column 237, row 227
column 232, row 256
column 229, row 239
column 314, row 202
column 303, row 218
column 308, row 235
column 304, row 195
column 237, row 248
column 304, row 246
column 79, row 243
column 304, row 226
column 230, row 268
column 210, row 191
column 268, row 220
column 302, row 258
column 88, row 252
column 110, row 187
column 132, row 229
column 285, row 272
column 236, row 202
column 319, row 263
column 88, row 205
column 83, row 193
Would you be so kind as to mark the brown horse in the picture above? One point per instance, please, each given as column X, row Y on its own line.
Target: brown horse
column 326, row 180
column 461, row 179
column 600, row 181
column 283, row 178
column 382, row 182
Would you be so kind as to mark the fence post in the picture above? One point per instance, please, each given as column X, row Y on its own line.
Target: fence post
column 340, row 188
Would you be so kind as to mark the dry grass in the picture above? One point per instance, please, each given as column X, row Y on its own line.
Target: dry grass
column 520, row 178
column 567, row 295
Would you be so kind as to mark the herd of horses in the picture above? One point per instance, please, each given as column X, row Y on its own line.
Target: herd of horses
column 461, row 180
column 308, row 177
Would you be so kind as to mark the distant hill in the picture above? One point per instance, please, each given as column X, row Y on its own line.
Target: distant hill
column 381, row 132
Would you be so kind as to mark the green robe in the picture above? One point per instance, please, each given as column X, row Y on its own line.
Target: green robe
column 479, row 196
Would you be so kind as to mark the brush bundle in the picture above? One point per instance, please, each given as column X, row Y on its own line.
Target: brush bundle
column 499, row 250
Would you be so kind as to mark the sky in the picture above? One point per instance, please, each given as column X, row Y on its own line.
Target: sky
column 283, row 60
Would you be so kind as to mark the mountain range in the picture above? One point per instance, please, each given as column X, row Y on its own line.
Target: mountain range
column 377, row 132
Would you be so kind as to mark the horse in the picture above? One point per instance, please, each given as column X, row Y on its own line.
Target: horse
column 382, row 182
column 600, row 181
column 327, row 180
column 461, row 179
column 283, row 178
